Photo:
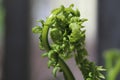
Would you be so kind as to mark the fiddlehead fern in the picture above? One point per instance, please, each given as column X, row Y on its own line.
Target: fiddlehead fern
column 68, row 39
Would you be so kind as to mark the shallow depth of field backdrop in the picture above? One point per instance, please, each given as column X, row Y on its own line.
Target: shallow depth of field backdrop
column 20, row 57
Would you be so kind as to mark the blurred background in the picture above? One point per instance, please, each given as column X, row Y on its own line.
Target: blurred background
column 20, row 56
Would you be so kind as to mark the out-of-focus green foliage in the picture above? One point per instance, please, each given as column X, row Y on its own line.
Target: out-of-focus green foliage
column 68, row 40
column 112, row 63
column 2, row 15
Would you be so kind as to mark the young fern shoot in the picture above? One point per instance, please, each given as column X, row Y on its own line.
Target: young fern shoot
column 68, row 40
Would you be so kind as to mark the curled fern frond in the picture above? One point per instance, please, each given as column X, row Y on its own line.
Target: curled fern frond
column 67, row 34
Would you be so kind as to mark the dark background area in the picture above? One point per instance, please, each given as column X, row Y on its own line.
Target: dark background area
column 108, row 27
column 16, row 50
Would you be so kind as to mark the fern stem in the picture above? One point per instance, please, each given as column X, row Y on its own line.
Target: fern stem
column 66, row 71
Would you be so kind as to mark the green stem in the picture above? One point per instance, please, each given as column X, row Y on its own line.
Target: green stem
column 66, row 71
column 45, row 42
column 65, row 77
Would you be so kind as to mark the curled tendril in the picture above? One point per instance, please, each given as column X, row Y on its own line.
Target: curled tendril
column 68, row 39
